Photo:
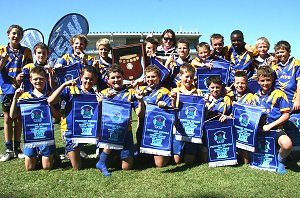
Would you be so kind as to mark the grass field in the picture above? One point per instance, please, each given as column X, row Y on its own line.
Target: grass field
column 144, row 180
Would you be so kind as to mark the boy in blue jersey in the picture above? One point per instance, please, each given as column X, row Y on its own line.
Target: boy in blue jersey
column 79, row 43
column 38, row 80
column 65, row 92
column 276, row 105
column 287, row 74
column 185, row 150
column 173, row 64
column 13, row 57
column 203, row 53
column 217, row 43
column 153, row 93
column 118, row 91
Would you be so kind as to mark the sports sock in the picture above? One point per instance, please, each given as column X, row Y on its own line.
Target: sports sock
column 16, row 144
column 9, row 145
column 281, row 167
column 101, row 164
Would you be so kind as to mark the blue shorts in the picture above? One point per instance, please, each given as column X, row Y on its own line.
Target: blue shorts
column 69, row 145
column 45, row 151
column 180, row 148
column 128, row 148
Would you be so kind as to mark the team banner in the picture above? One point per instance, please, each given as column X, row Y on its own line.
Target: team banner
column 220, row 68
column 31, row 37
column 85, row 118
column 292, row 127
column 246, row 121
column 265, row 157
column 37, row 122
column 67, row 73
column 190, row 118
column 59, row 40
column 157, row 132
column 163, row 70
column 26, row 80
column 114, row 124
column 220, row 143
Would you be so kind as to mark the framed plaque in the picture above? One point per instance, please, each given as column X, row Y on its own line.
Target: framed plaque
column 131, row 58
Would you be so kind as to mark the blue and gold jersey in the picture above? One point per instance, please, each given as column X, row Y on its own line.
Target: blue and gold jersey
column 66, row 96
column 70, row 59
column 222, row 106
column 174, row 68
column 13, row 66
column 156, row 95
column 286, row 78
column 223, row 55
column 274, row 103
column 29, row 94
column 101, row 69
column 245, row 98
column 258, row 61
column 181, row 90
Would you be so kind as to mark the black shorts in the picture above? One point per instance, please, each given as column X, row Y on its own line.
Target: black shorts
column 6, row 102
column 279, row 133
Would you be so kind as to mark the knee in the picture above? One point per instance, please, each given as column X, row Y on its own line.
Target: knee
column 285, row 142
column 29, row 167
column 177, row 159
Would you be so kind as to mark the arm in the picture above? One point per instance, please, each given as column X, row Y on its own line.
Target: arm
column 14, row 111
column 3, row 60
column 283, row 118
column 141, row 105
column 296, row 105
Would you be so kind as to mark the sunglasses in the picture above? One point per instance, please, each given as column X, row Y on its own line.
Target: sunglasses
column 168, row 39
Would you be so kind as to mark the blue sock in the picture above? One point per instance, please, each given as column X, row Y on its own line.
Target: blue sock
column 9, row 145
column 281, row 167
column 101, row 164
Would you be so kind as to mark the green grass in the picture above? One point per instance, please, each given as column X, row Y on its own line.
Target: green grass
column 144, row 180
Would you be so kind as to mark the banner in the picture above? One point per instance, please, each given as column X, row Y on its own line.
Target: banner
column 292, row 127
column 37, row 122
column 31, row 37
column 265, row 157
column 158, row 131
column 26, row 80
column 67, row 73
column 114, row 124
column 253, row 85
column 164, row 72
column 246, row 120
column 59, row 40
column 220, row 143
column 190, row 118
column 85, row 118
column 220, row 68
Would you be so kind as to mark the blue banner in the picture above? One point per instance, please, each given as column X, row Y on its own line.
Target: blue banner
column 59, row 40
column 37, row 122
column 246, row 120
column 265, row 157
column 31, row 37
column 85, row 118
column 190, row 118
column 220, row 143
column 164, row 72
column 26, row 80
column 253, row 85
column 114, row 124
column 67, row 73
column 158, row 130
column 292, row 127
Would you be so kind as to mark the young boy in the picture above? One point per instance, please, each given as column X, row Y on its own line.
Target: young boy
column 38, row 80
column 217, row 43
column 187, row 150
column 12, row 60
column 203, row 54
column 153, row 93
column 150, row 44
column 277, row 107
column 287, row 74
column 183, row 50
column 118, row 91
column 65, row 92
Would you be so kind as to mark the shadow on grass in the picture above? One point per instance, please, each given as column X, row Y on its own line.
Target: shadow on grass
column 180, row 168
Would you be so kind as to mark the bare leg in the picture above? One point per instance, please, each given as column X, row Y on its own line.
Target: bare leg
column 161, row 161
column 75, row 159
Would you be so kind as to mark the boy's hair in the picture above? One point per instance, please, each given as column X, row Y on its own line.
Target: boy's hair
column 114, row 68
column 103, row 41
column 89, row 69
column 153, row 68
column 216, row 36
column 185, row 41
column 41, row 45
column 168, row 31
column 81, row 37
column 237, row 32
column 151, row 40
column 186, row 67
column 214, row 79
column 283, row 45
column 261, row 40
column 203, row 44
column 265, row 71
column 38, row 70
column 14, row 26
column 241, row 73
